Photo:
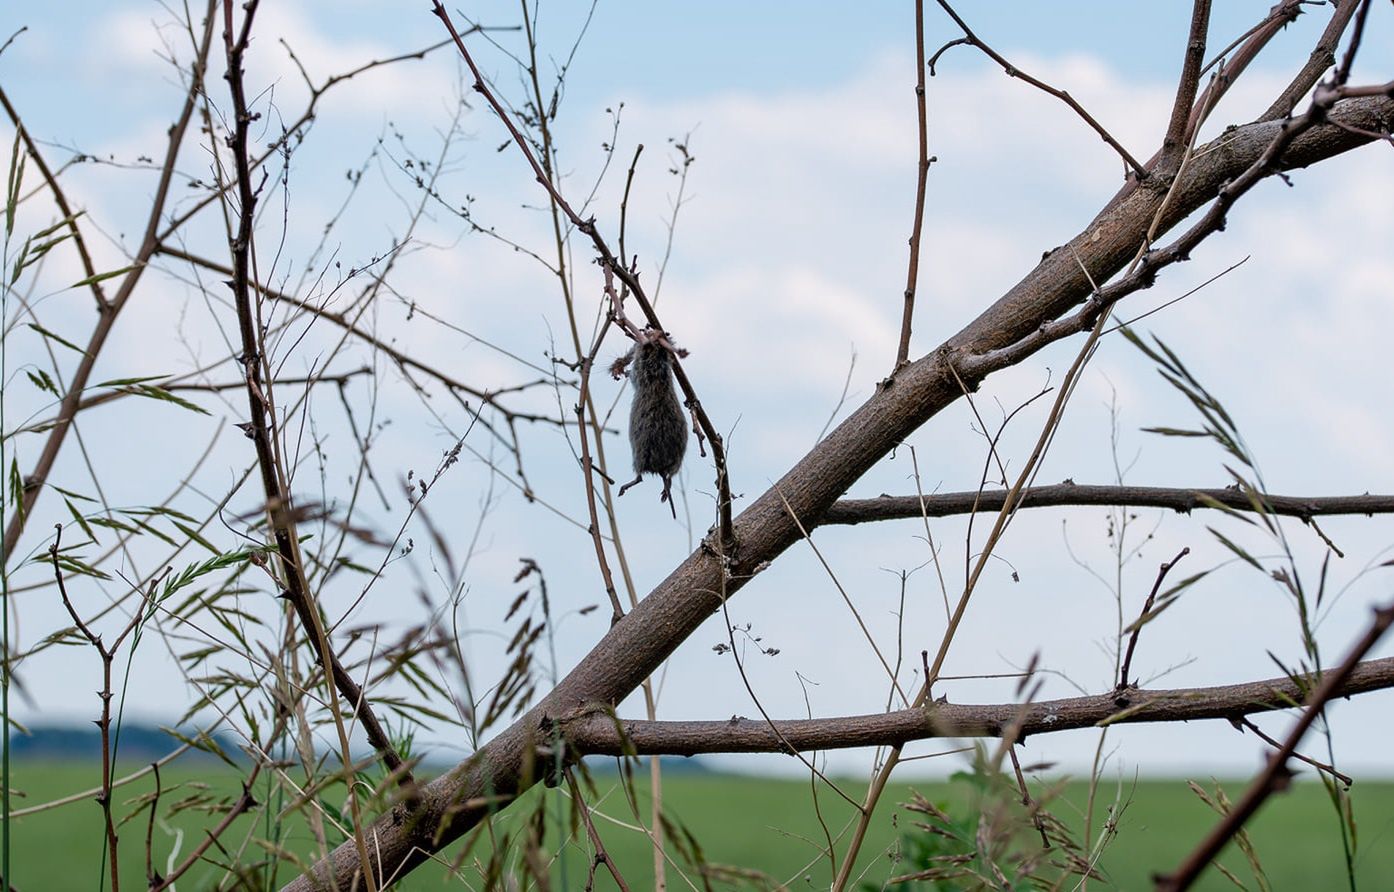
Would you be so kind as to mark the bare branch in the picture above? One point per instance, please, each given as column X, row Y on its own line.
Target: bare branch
column 972, row 39
column 852, row 511
column 602, row 735
column 912, row 269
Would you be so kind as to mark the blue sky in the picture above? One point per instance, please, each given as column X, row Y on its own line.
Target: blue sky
column 788, row 261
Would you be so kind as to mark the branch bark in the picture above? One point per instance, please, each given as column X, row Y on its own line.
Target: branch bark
column 601, row 734
column 638, row 644
column 853, row 511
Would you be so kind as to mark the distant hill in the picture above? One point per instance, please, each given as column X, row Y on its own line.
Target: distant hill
column 138, row 743
column 146, row 743
column 686, row 765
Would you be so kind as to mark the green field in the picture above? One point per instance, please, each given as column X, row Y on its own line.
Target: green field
column 764, row 825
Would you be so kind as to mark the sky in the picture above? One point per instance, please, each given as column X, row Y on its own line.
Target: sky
column 784, row 283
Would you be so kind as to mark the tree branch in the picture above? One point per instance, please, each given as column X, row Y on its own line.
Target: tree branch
column 598, row 734
column 853, row 511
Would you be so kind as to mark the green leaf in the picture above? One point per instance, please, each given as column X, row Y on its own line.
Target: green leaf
column 1174, row 432
column 81, row 521
column 212, row 565
column 73, row 495
column 1209, row 502
column 70, row 564
column 194, row 536
column 40, row 379
column 113, row 524
column 151, row 391
column 12, row 186
column 17, row 488
column 1239, row 552
column 102, row 277
column 59, row 338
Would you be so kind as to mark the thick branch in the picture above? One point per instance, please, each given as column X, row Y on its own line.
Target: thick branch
column 600, row 734
column 635, row 647
column 851, row 511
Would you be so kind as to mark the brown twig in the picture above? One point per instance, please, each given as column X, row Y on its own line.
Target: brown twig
column 972, row 39
column 1146, row 609
column 60, row 198
column 601, row 855
column 151, row 877
column 1031, row 806
column 278, row 501
column 108, row 655
column 402, row 359
column 1177, row 137
column 1243, row 723
column 1276, row 774
column 1253, row 43
column 912, row 270
column 244, row 803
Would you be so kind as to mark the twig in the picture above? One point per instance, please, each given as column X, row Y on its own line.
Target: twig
column 278, row 502
column 1012, row 71
column 107, row 654
column 60, row 198
column 1146, row 608
column 1323, row 56
column 1243, row 723
column 151, row 877
column 243, row 804
column 601, row 855
column 1026, row 799
column 912, row 270
column 1177, row 138
column 402, row 359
